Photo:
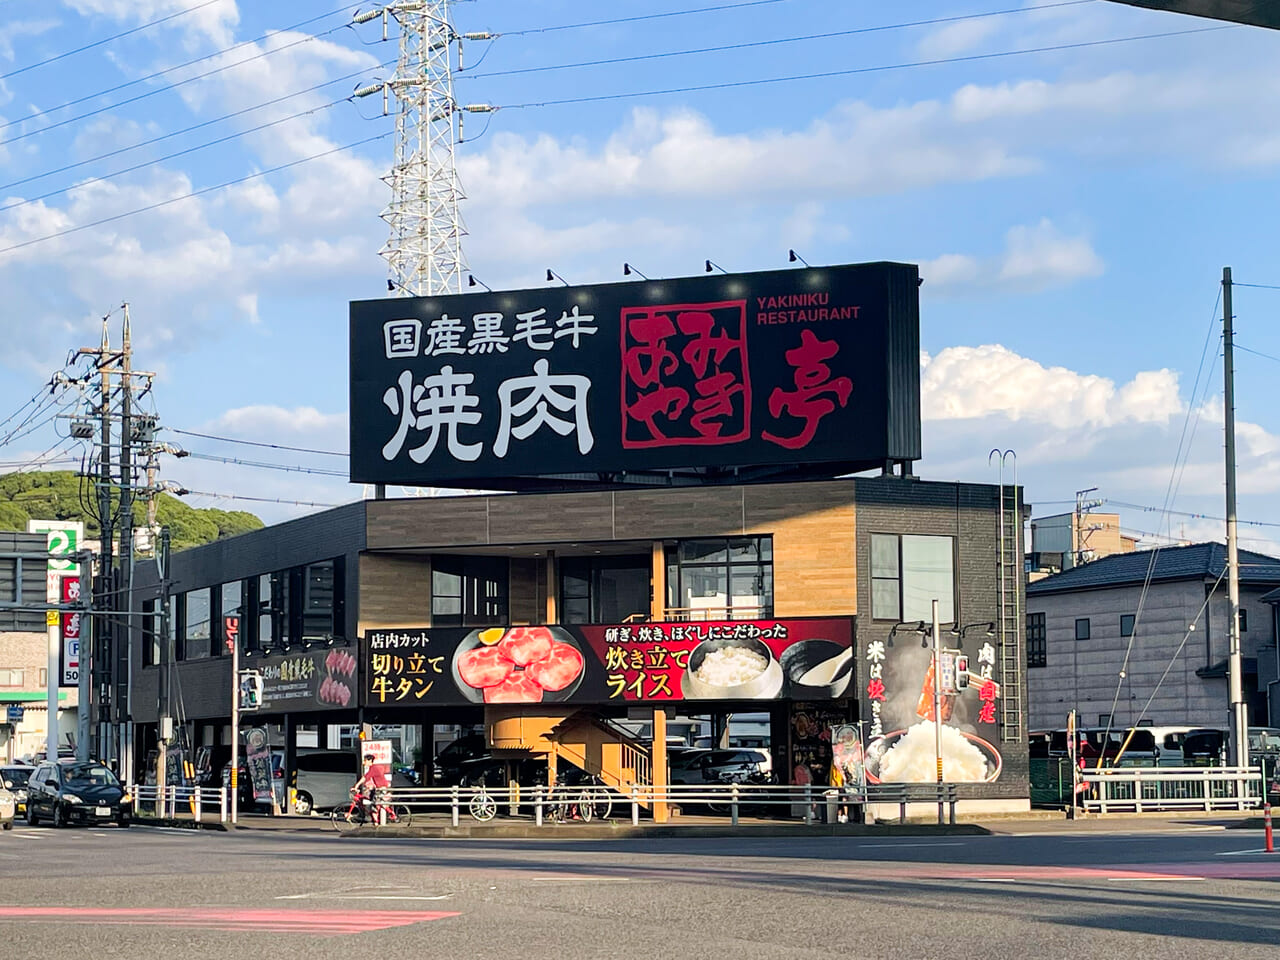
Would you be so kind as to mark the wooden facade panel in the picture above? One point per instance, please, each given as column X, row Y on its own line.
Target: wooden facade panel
column 548, row 518
column 394, row 592
column 438, row 522
column 675, row 513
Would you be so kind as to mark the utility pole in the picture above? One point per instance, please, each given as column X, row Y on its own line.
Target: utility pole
column 123, row 661
column 424, row 250
column 1235, row 664
column 164, row 723
column 106, row 596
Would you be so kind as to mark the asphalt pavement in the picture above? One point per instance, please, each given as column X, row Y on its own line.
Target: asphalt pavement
column 1158, row 889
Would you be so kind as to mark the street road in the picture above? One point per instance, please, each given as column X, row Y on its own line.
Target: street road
column 142, row 893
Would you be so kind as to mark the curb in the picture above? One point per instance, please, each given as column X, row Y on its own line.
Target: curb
column 661, row 831
column 179, row 824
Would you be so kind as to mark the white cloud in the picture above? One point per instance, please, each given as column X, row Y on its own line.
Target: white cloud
column 957, row 38
column 974, row 382
column 280, row 423
column 213, row 22
column 1035, row 257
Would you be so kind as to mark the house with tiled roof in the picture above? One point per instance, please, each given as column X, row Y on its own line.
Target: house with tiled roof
column 1143, row 637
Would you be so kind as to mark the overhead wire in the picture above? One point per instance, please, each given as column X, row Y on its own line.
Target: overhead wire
column 255, row 443
column 106, row 40
column 288, row 467
column 191, row 194
column 232, row 496
column 177, row 133
column 748, row 45
column 641, row 17
column 158, row 90
column 853, row 71
column 1181, row 456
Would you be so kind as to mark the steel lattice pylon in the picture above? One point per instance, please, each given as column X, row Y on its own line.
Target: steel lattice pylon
column 424, row 250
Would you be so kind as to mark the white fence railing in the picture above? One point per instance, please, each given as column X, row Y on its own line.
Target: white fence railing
column 1143, row 789
column 173, row 802
column 598, row 802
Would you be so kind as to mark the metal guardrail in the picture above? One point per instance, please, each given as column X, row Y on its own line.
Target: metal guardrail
column 174, row 802
column 799, row 802
column 1142, row 789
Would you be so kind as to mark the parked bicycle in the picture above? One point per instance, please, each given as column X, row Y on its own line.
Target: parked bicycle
column 483, row 805
column 362, row 811
column 585, row 801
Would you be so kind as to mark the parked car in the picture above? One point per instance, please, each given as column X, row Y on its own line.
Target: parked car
column 14, row 779
column 449, row 760
column 714, row 766
column 8, row 806
column 72, row 791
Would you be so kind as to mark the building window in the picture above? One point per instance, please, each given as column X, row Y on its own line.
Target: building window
column 908, row 573
column 1244, row 620
column 1082, row 629
column 273, row 610
column 319, row 600
column 720, row 579
column 1037, row 649
column 469, row 591
column 1126, row 625
column 44, row 677
column 11, row 678
column 196, row 609
column 1104, row 719
column 604, row 589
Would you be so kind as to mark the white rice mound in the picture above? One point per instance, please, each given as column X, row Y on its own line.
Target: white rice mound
column 913, row 758
column 730, row 666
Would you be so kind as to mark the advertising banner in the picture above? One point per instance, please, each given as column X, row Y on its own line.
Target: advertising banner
column 898, row 698
column 785, row 368
column 257, row 759
column 308, row 680
column 71, row 625
column 706, row 660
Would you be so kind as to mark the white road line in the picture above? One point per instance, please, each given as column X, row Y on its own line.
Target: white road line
column 356, row 896
column 592, row 879
column 1243, row 853
column 996, row 880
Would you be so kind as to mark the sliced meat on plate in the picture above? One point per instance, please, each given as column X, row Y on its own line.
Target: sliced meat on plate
column 517, row 688
column 484, row 667
column 558, row 669
column 526, row 645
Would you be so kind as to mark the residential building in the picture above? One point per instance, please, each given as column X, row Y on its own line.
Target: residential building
column 1142, row 638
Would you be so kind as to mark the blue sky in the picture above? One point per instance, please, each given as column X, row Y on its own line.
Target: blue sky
column 1071, row 210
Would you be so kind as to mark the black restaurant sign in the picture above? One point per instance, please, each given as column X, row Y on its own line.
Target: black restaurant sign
column 788, row 368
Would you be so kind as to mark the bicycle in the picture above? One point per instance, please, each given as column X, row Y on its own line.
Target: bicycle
column 593, row 801
column 361, row 812
column 483, row 806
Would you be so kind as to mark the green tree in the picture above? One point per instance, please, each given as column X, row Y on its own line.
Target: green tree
column 62, row 495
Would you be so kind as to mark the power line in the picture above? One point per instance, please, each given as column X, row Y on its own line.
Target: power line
column 232, row 496
column 863, row 70
column 1257, row 286
column 106, row 40
column 172, row 156
column 180, row 66
column 158, row 90
column 193, row 127
column 747, row 45
column 1183, row 513
column 256, row 443
column 1257, row 353
column 649, row 16
column 290, row 468
column 192, row 194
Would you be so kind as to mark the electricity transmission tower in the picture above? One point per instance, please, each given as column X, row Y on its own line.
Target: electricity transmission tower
column 424, row 249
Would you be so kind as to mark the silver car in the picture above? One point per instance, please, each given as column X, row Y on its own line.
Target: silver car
column 8, row 806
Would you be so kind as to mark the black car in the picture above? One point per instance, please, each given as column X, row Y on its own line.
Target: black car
column 72, row 791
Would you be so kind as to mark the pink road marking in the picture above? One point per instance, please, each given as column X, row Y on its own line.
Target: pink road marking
column 323, row 923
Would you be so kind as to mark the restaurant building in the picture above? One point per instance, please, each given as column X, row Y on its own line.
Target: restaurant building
column 708, row 510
